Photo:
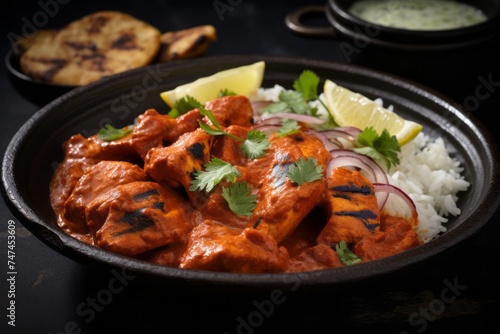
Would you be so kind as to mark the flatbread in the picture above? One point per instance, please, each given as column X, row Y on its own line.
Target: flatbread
column 24, row 43
column 93, row 47
column 186, row 43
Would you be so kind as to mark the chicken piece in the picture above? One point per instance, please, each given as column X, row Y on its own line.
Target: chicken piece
column 121, row 149
column 154, row 129
column 352, row 206
column 395, row 236
column 316, row 257
column 228, row 149
column 216, row 247
column 150, row 130
column 231, row 110
column 96, row 181
column 282, row 204
column 175, row 164
column 136, row 217
column 184, row 123
column 79, row 154
column 213, row 206
column 168, row 255
column 64, row 180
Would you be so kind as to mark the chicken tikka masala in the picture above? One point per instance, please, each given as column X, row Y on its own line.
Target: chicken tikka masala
column 169, row 192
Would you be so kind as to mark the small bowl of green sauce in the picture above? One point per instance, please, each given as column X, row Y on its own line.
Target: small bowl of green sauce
column 445, row 44
column 418, row 14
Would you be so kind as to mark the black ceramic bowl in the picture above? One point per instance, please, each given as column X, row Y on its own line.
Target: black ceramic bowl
column 448, row 60
column 36, row 149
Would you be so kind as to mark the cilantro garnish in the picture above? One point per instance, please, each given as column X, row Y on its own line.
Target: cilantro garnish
column 237, row 195
column 307, row 85
column 226, row 92
column 290, row 126
column 110, row 133
column 253, row 146
column 239, row 198
column 305, row 170
column 383, row 149
column 291, row 101
column 183, row 105
column 346, row 256
column 218, row 131
column 215, row 171
column 296, row 101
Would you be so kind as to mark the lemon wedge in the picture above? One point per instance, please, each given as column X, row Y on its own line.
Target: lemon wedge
column 353, row 109
column 242, row 80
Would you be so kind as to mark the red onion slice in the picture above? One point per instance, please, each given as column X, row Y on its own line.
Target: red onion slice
column 267, row 128
column 269, row 121
column 374, row 173
column 329, row 145
column 361, row 161
column 336, row 133
column 353, row 131
column 258, row 106
column 298, row 117
column 390, row 189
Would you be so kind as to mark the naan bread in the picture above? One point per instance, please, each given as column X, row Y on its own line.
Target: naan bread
column 24, row 43
column 186, row 43
column 93, row 47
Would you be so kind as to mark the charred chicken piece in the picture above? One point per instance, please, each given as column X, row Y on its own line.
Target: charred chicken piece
column 136, row 217
column 352, row 207
column 95, row 182
column 175, row 164
column 80, row 153
column 281, row 204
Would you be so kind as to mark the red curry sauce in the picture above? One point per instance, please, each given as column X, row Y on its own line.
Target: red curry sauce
column 131, row 196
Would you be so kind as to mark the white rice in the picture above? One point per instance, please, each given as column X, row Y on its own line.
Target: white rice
column 427, row 173
column 432, row 179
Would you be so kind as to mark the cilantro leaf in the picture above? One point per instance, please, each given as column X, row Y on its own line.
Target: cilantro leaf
column 305, row 170
column 215, row 171
column 110, row 133
column 255, row 145
column 297, row 103
column 218, row 131
column 183, row 105
column 239, row 198
column 211, row 131
column 226, row 92
column 307, row 84
column 346, row 256
column 277, row 108
column 297, row 100
column 383, row 149
column 289, row 127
